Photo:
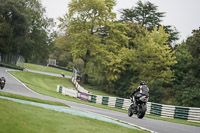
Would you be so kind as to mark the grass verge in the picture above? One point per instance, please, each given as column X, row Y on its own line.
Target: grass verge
column 31, row 99
column 46, row 85
column 180, row 121
column 22, row 118
column 95, row 90
column 11, row 66
column 46, row 69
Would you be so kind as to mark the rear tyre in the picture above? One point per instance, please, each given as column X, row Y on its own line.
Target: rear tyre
column 141, row 111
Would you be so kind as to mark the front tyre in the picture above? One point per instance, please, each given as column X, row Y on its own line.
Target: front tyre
column 130, row 112
column 141, row 111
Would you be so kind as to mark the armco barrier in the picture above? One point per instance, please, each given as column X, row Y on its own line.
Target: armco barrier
column 167, row 111
column 84, row 96
column 67, row 91
column 78, row 87
column 93, row 98
column 156, row 109
column 105, row 100
column 181, row 113
column 119, row 102
column 194, row 115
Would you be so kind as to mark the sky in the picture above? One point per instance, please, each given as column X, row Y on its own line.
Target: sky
column 182, row 14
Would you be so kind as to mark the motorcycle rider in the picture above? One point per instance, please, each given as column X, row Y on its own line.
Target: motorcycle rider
column 140, row 91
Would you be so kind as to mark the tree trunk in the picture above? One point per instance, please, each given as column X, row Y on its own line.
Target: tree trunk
column 84, row 78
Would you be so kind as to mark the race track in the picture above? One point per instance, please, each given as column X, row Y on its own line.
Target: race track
column 16, row 87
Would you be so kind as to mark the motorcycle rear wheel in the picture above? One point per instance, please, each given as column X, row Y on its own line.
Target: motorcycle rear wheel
column 141, row 111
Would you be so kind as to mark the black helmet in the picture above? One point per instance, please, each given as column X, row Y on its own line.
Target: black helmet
column 142, row 83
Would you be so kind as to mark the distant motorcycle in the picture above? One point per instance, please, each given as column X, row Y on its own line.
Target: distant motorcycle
column 2, row 82
column 140, row 108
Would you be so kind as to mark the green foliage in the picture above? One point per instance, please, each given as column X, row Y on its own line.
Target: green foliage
column 145, row 14
column 156, row 92
column 112, row 50
column 86, row 21
column 85, row 18
column 148, row 16
column 174, row 34
column 122, row 86
column 61, row 52
column 188, row 91
column 6, row 37
column 134, row 31
column 151, row 58
column 183, row 57
column 119, row 55
column 25, row 30
column 193, row 44
column 13, row 21
column 187, row 80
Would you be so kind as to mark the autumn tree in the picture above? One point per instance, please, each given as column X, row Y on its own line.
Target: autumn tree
column 85, row 18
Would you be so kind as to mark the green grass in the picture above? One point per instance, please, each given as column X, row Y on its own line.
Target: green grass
column 43, row 84
column 22, row 118
column 96, row 90
column 46, row 85
column 46, row 69
column 180, row 121
column 11, row 66
column 31, row 99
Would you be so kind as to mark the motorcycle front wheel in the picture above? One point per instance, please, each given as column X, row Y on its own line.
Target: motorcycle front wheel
column 130, row 112
column 2, row 87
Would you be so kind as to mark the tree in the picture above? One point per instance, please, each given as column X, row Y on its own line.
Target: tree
column 193, row 44
column 125, row 66
column 148, row 16
column 25, row 30
column 152, row 59
column 112, row 50
column 6, row 37
column 183, row 58
column 41, row 34
column 14, row 23
column 187, row 81
column 145, row 14
column 61, row 52
column 85, row 18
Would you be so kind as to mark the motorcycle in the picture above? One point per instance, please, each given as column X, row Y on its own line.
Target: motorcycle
column 140, row 108
column 2, row 84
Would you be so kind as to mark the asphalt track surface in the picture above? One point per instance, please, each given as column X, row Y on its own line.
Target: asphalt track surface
column 15, row 86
